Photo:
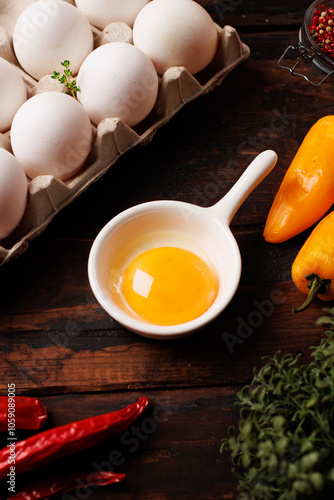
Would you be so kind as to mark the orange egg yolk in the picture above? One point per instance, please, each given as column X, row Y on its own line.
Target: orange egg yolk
column 169, row 286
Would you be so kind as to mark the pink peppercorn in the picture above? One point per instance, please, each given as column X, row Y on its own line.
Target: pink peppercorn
column 321, row 29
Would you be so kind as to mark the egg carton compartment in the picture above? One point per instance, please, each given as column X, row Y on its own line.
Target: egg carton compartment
column 112, row 137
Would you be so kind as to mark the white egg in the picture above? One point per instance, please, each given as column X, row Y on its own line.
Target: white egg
column 118, row 80
column 49, row 32
column 13, row 93
column 100, row 13
column 176, row 33
column 51, row 134
column 13, row 193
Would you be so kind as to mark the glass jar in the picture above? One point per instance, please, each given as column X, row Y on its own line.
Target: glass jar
column 307, row 50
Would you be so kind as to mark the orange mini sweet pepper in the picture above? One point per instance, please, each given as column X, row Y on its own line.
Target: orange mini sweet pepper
column 307, row 190
column 313, row 268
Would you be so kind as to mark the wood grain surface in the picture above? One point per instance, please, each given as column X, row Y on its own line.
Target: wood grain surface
column 58, row 344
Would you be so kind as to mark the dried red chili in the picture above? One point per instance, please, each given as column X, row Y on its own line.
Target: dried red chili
column 70, row 438
column 322, row 29
column 21, row 412
column 57, row 486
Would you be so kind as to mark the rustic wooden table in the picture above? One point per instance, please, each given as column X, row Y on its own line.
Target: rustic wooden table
column 58, row 344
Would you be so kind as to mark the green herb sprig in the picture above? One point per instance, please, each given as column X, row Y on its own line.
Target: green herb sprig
column 67, row 79
column 284, row 447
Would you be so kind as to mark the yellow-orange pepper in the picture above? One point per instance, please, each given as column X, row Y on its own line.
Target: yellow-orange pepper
column 313, row 269
column 307, row 190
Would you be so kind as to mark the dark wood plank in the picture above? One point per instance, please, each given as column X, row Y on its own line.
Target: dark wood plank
column 54, row 334
column 256, row 14
column 57, row 343
column 172, row 451
column 74, row 346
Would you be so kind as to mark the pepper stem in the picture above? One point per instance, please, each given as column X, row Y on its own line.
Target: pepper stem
column 316, row 284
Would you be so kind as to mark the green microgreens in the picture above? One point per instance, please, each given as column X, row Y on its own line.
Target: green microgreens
column 66, row 79
column 283, row 448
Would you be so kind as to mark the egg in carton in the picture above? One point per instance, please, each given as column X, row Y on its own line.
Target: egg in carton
column 112, row 136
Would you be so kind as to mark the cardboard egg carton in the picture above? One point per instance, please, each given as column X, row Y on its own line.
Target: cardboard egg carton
column 112, row 137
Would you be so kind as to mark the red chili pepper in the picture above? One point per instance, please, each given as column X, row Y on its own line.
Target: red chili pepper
column 46, row 489
column 70, row 438
column 21, row 412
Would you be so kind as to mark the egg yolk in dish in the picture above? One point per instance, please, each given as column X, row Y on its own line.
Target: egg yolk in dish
column 169, row 285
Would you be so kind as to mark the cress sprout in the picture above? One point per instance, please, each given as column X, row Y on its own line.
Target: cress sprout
column 67, row 79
